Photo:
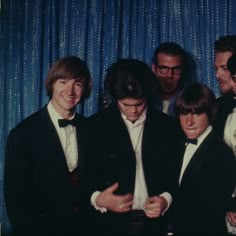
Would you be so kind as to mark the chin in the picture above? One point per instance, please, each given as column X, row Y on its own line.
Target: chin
column 132, row 118
column 191, row 136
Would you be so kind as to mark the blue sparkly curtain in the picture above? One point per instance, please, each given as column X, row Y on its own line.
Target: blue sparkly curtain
column 34, row 33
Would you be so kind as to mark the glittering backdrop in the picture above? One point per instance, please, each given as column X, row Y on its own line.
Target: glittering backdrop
column 34, row 33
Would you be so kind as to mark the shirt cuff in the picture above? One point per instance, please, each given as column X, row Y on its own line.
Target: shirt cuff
column 168, row 198
column 93, row 202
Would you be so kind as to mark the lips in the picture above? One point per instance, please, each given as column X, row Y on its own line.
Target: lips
column 222, row 82
column 190, row 130
column 69, row 98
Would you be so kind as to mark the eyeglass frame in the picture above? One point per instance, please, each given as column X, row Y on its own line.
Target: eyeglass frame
column 173, row 69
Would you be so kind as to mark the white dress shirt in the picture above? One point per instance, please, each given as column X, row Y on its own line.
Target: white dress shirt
column 165, row 104
column 67, row 136
column 230, row 131
column 191, row 149
column 136, row 136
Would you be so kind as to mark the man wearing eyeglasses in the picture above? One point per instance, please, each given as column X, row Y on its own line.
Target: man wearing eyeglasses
column 169, row 66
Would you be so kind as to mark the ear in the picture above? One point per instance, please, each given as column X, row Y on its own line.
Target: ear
column 154, row 68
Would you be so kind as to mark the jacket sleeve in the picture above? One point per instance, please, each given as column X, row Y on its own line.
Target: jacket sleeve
column 17, row 182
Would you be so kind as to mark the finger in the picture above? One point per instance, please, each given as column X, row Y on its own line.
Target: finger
column 229, row 219
column 233, row 218
column 113, row 188
column 230, row 216
column 152, row 199
column 151, row 205
column 124, row 208
column 127, row 197
column 153, row 210
column 126, row 204
column 152, row 214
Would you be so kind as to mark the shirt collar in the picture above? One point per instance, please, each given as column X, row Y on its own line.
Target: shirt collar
column 55, row 116
column 203, row 135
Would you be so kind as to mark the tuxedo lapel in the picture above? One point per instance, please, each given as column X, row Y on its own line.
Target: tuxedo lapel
column 122, row 140
column 150, row 138
column 80, row 132
column 55, row 150
column 181, row 154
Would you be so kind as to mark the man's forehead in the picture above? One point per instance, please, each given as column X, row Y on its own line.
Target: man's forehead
column 77, row 79
column 169, row 59
column 132, row 101
column 223, row 56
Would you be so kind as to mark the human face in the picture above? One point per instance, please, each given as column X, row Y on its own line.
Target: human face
column 66, row 95
column 169, row 81
column 194, row 125
column 222, row 73
column 132, row 107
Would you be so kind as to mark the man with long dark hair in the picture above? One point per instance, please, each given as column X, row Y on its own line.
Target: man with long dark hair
column 129, row 160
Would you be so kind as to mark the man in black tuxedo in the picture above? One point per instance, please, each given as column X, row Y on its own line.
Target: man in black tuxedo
column 44, row 164
column 130, row 155
column 224, row 48
column 230, row 139
column 206, row 169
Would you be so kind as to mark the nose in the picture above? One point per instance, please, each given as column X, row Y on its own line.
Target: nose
column 133, row 109
column 70, row 88
column 170, row 73
column 189, row 119
column 218, row 73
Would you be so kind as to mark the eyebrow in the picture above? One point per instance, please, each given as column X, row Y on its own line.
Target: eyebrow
column 125, row 104
column 169, row 66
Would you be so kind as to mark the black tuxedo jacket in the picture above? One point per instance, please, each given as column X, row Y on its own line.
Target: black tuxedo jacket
column 38, row 191
column 205, row 189
column 112, row 159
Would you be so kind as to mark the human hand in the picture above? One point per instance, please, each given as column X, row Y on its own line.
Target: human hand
column 231, row 217
column 155, row 206
column 113, row 202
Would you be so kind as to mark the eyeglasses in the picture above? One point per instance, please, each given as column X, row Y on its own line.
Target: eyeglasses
column 165, row 69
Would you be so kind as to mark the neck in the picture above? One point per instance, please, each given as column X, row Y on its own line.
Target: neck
column 167, row 96
column 66, row 114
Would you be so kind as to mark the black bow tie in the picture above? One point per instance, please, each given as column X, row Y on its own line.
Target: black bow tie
column 192, row 141
column 65, row 122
